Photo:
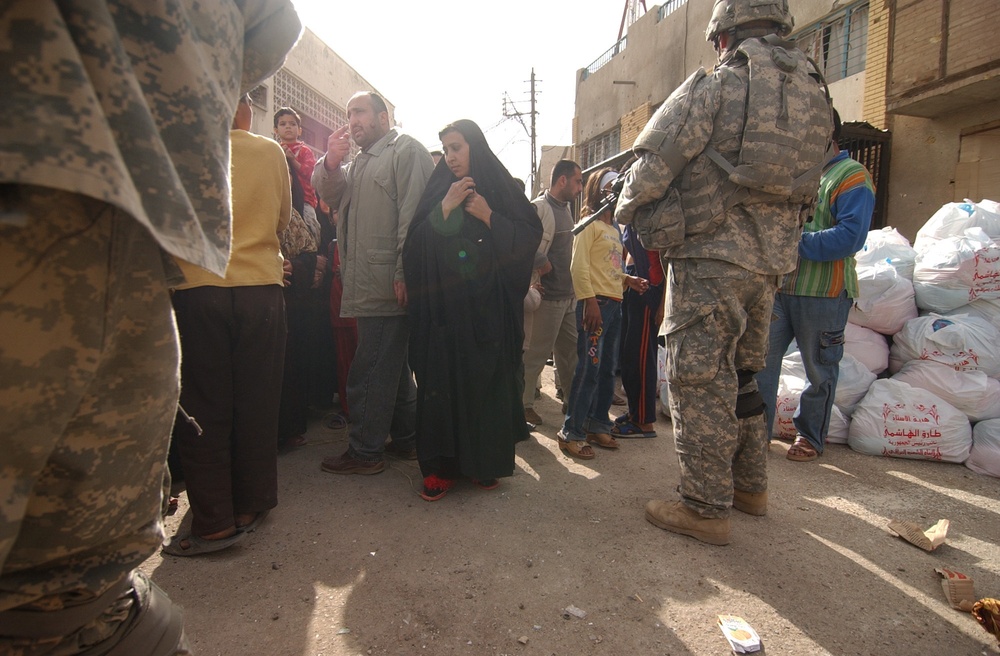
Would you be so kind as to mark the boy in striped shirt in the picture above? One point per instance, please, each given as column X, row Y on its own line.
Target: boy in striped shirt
column 812, row 304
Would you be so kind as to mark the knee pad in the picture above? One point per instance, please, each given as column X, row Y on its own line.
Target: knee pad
column 749, row 403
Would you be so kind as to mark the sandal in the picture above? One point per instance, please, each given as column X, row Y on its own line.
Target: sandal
column 629, row 428
column 199, row 546
column 576, row 448
column 801, row 450
column 335, row 421
column 603, row 440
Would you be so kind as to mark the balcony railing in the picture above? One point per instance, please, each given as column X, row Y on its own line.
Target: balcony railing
column 605, row 58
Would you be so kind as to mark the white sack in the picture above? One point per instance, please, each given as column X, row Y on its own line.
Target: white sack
column 900, row 421
column 972, row 392
column 953, row 219
column 985, row 455
column 661, row 377
column 852, row 383
column 957, row 270
column 839, row 427
column 962, row 342
column 888, row 246
column 868, row 346
column 786, row 403
column 985, row 308
column 885, row 300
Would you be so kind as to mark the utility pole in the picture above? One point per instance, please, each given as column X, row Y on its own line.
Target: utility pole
column 511, row 111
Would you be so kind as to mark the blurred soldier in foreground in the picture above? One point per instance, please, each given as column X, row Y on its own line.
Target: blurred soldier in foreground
column 727, row 173
column 115, row 154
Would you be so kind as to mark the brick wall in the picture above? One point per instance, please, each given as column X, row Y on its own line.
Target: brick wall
column 967, row 34
column 972, row 34
column 916, row 48
column 876, row 64
column 633, row 123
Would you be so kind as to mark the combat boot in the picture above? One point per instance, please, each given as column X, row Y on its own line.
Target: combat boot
column 752, row 503
column 675, row 516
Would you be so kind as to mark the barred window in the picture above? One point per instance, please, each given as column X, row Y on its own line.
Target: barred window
column 838, row 43
column 320, row 116
column 603, row 147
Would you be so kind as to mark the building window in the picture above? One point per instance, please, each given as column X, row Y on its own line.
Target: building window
column 838, row 42
column 603, row 147
column 258, row 96
column 320, row 117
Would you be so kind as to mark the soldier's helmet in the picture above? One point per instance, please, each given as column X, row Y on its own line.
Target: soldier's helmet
column 729, row 14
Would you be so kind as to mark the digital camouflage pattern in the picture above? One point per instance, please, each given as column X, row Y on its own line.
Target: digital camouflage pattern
column 113, row 100
column 708, row 112
column 717, row 321
column 114, row 149
column 732, row 246
column 88, row 390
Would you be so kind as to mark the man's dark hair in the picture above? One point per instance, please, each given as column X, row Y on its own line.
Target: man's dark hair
column 837, row 126
column 287, row 111
column 563, row 167
column 378, row 103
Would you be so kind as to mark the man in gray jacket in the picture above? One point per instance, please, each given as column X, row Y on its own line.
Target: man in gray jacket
column 377, row 194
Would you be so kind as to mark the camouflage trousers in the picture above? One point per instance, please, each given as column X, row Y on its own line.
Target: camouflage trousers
column 717, row 319
column 88, row 391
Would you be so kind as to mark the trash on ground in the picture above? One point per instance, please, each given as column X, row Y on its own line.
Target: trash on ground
column 741, row 636
column 958, row 589
column 928, row 540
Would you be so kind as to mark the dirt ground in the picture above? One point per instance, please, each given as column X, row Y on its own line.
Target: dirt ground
column 351, row 565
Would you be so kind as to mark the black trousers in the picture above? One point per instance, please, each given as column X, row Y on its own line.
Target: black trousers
column 232, row 357
column 637, row 357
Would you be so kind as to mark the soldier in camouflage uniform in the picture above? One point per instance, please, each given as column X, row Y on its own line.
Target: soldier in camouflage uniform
column 115, row 153
column 726, row 172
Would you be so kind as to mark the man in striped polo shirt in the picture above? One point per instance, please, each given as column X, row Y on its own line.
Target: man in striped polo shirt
column 813, row 302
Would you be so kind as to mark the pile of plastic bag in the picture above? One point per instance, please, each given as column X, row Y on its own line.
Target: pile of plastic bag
column 934, row 394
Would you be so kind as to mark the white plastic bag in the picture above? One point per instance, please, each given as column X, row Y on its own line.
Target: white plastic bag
column 840, row 426
column 972, row 392
column 953, row 219
column 900, row 421
column 885, row 301
column 985, row 455
column 963, row 342
column 852, row 383
column 790, row 385
column 957, row 270
column 986, row 308
column 888, row 246
column 661, row 377
column 868, row 346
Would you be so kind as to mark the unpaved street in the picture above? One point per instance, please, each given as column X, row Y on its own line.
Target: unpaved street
column 362, row 565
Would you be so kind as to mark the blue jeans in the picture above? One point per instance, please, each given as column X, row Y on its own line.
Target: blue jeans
column 817, row 324
column 594, row 381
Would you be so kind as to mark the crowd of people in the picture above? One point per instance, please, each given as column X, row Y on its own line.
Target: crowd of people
column 427, row 289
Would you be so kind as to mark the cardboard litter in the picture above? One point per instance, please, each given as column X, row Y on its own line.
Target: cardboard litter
column 741, row 636
column 958, row 589
column 928, row 540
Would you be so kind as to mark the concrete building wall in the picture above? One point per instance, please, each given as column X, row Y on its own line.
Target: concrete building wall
column 659, row 55
column 323, row 79
column 944, row 83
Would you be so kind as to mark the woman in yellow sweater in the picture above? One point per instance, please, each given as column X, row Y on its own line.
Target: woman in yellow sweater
column 598, row 280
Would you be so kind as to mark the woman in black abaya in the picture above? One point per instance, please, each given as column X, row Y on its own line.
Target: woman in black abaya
column 467, row 261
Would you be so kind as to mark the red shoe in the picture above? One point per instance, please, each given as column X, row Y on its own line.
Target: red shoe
column 435, row 487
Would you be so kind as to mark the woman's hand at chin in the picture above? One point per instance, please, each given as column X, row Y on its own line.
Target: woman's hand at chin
column 457, row 195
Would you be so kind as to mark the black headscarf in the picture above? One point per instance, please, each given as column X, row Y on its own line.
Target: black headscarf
column 466, row 282
column 493, row 181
